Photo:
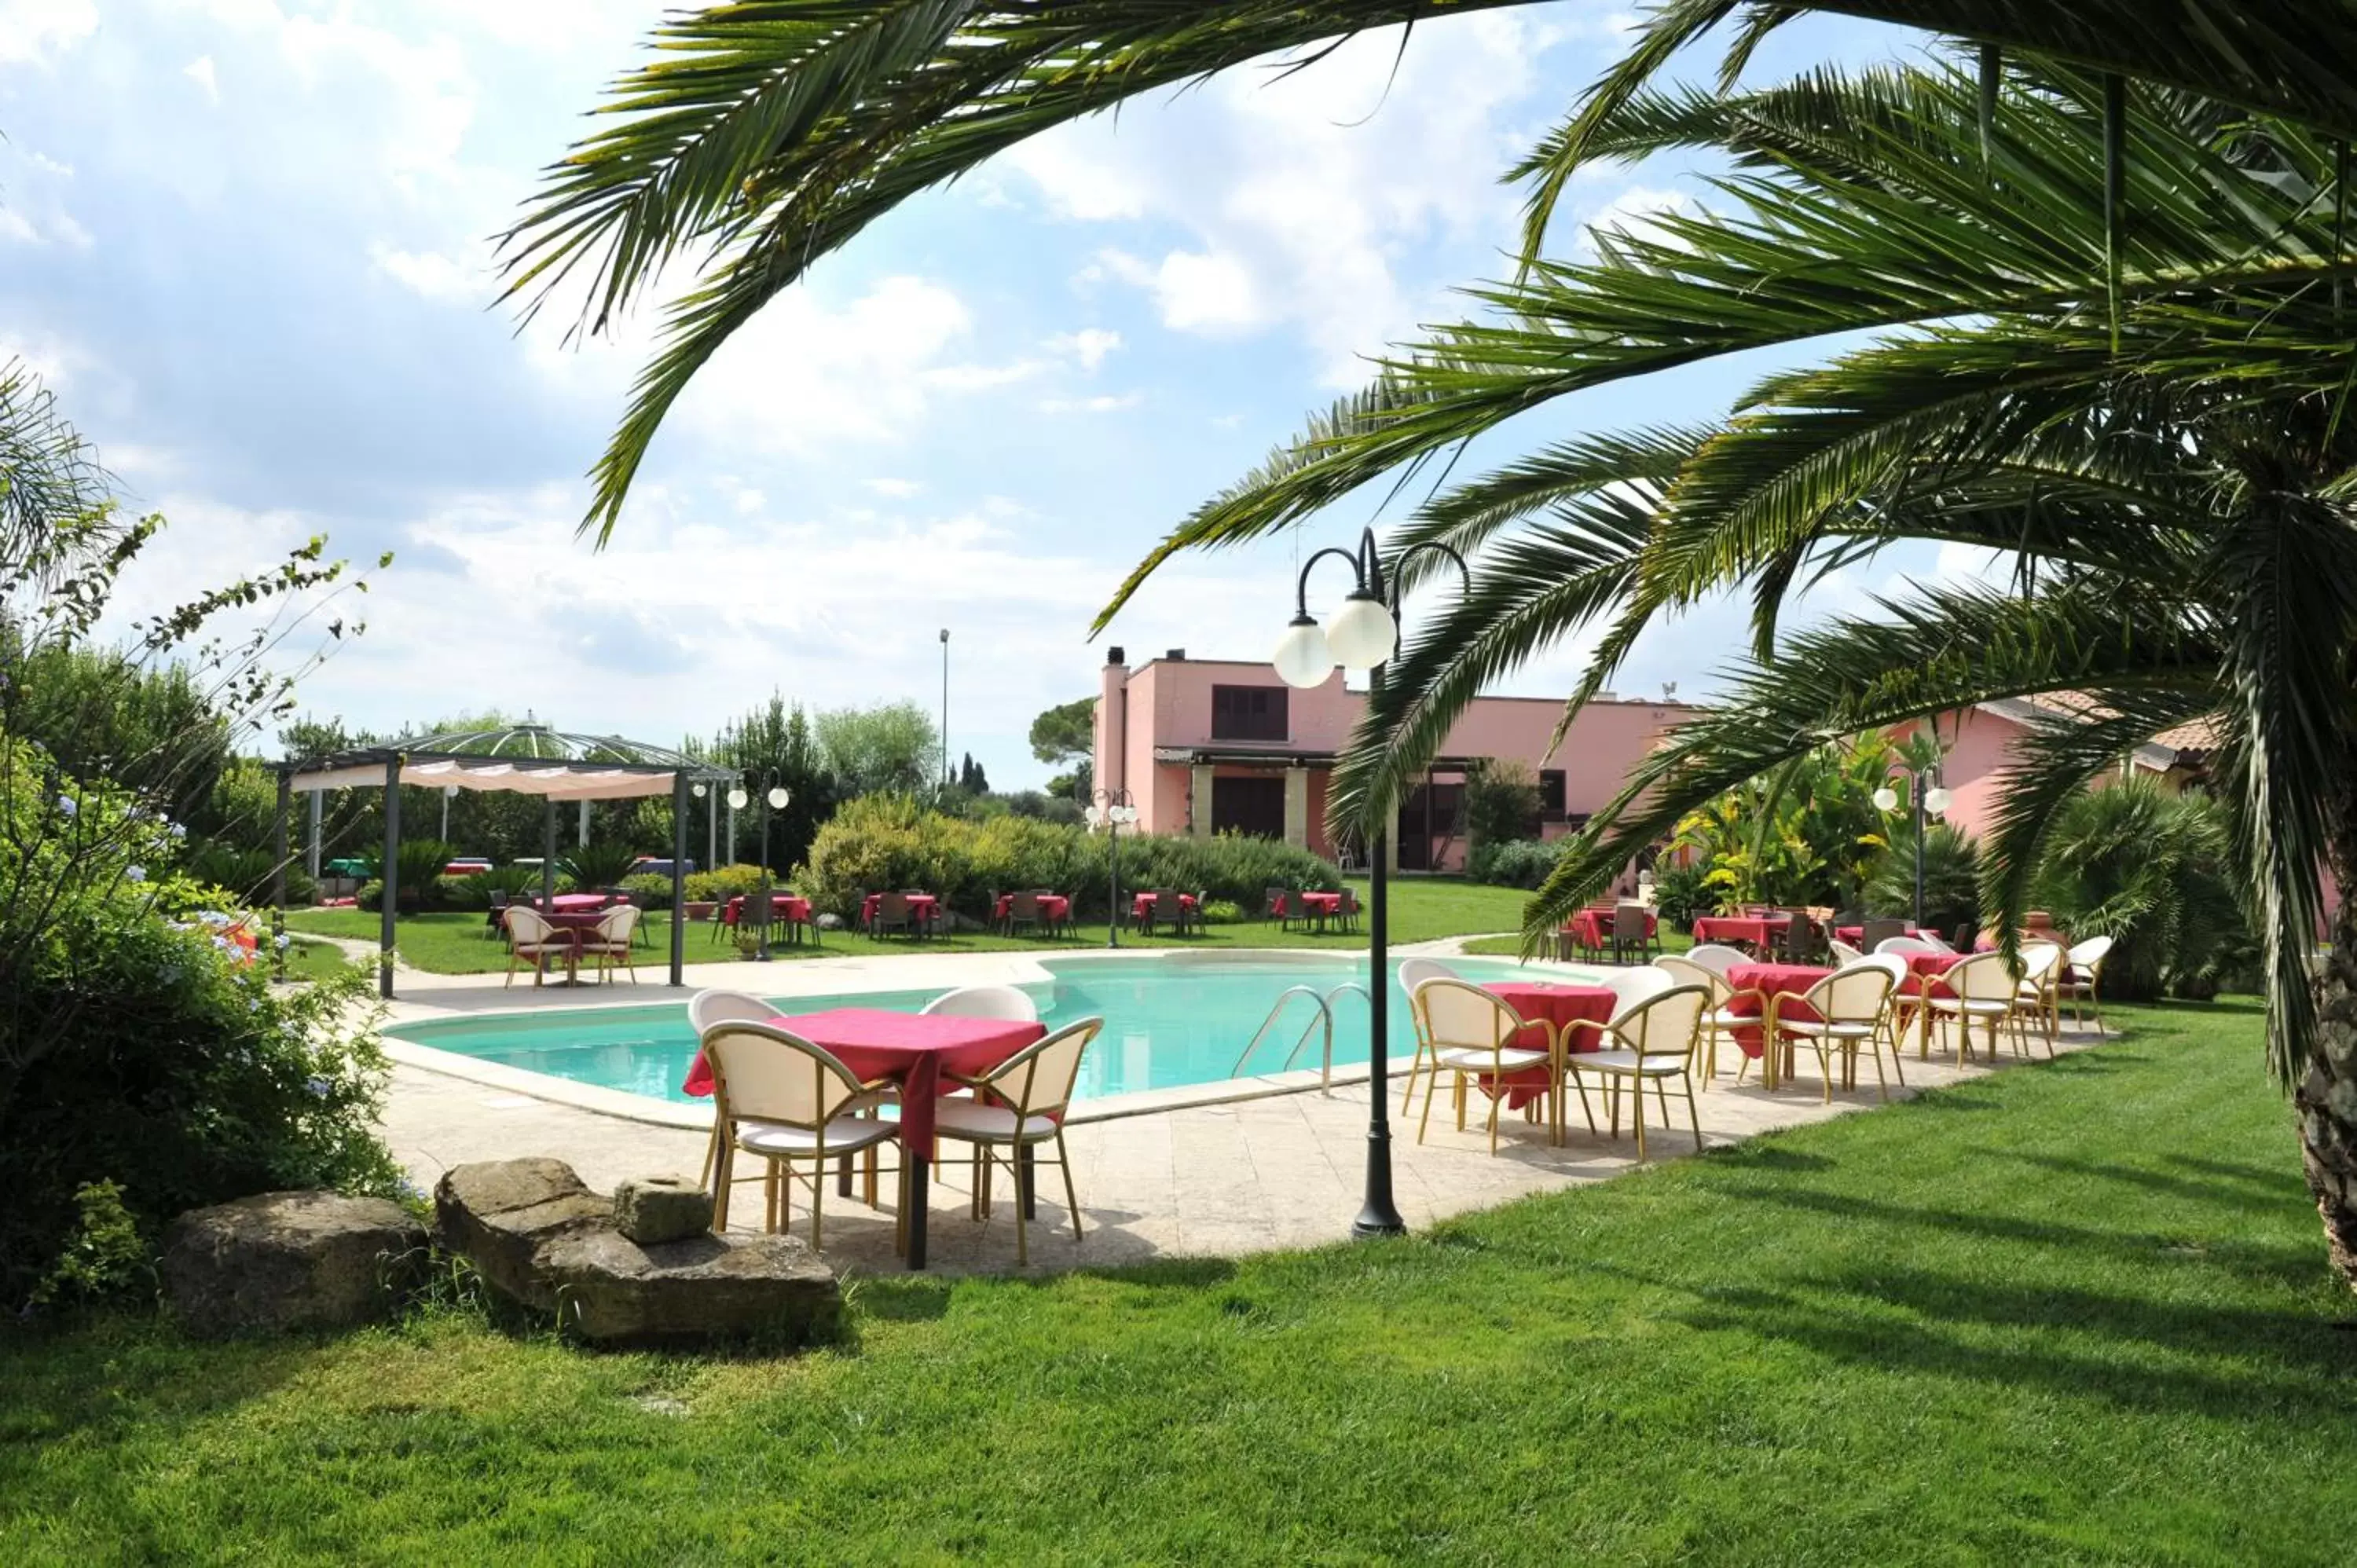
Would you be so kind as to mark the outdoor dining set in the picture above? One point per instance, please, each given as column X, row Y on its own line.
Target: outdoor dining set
column 1525, row 1044
column 820, row 1098
column 574, row 930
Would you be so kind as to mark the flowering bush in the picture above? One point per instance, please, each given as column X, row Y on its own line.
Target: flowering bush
column 143, row 1043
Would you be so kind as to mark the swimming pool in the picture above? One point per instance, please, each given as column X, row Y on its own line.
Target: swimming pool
column 1169, row 1022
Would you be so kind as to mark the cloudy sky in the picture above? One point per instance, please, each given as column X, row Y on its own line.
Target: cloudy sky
column 249, row 243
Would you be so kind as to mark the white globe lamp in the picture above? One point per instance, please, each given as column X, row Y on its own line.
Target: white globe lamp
column 736, row 799
column 778, row 798
column 1886, row 799
column 1936, row 801
column 1362, row 633
column 1302, row 657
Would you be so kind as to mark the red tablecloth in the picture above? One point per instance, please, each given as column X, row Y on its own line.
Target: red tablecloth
column 1924, row 968
column 914, row 1049
column 1855, row 934
column 1753, row 929
column 564, row 903
column 1771, row 979
column 1141, row 904
column 1327, row 904
column 791, row 907
column 923, row 907
column 1562, row 1006
column 1052, row 905
column 1593, row 928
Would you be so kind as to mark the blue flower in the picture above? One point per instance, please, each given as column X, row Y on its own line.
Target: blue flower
column 320, row 1087
column 134, row 874
column 282, row 941
column 178, row 832
column 68, row 805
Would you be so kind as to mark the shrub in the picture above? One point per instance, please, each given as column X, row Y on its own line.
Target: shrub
column 2147, row 868
column 1951, row 879
column 887, row 841
column 145, row 1047
column 649, row 890
column 104, row 1255
column 1501, row 802
column 725, row 881
column 600, row 864
column 246, row 872
column 1682, row 893
column 1512, row 863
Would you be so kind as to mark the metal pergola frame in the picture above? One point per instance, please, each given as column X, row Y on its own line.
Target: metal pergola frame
column 553, row 778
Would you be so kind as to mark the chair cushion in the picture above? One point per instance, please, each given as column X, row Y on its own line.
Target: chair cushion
column 1979, row 1007
column 1472, row 1059
column 1840, row 1028
column 978, row 1122
column 843, row 1135
column 1652, row 1065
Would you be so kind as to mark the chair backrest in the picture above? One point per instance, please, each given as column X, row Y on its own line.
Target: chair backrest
column 1936, row 942
column 1858, row 993
column 1632, row 987
column 1037, row 1081
column 1876, row 932
column 1414, row 971
column 986, row 1002
column 1984, row 977
column 1966, row 935
column 2040, row 960
column 1166, row 901
column 1904, row 945
column 1717, row 958
column 617, row 923
column 1629, row 919
column 1457, row 1013
column 762, row 1073
column 526, row 923
column 1350, row 905
column 711, row 1006
column 2091, row 953
column 1023, row 905
column 1684, row 970
column 1664, row 1022
column 499, row 898
column 1843, row 952
column 891, row 905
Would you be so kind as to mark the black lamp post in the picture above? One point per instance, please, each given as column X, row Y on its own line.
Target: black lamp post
column 1361, row 636
column 1924, row 799
column 1112, row 810
column 774, row 796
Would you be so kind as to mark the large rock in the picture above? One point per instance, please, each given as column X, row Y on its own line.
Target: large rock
column 291, row 1261
column 541, row 1238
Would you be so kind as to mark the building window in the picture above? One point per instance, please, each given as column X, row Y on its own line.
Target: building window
column 1551, row 800
column 1248, row 713
column 1251, row 806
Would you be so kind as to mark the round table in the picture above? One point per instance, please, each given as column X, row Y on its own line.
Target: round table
column 1753, row 984
column 1054, row 908
column 914, row 1050
column 924, row 909
column 1566, row 1008
column 1756, row 929
column 1592, row 928
column 1856, row 934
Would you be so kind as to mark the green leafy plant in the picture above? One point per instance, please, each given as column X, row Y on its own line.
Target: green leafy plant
column 725, row 883
column 104, row 1256
column 1951, row 879
column 1502, row 803
column 2147, row 868
column 1511, row 862
column 1683, row 892
column 598, row 864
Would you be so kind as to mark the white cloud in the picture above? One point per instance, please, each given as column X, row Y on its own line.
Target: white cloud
column 1100, row 405
column 17, row 228
column 431, row 274
column 1208, row 293
column 1077, row 182
column 33, row 32
column 200, row 71
column 898, row 490
column 1633, row 214
column 1088, row 346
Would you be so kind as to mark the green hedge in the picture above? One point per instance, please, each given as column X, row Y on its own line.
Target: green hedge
column 727, row 882
column 889, row 841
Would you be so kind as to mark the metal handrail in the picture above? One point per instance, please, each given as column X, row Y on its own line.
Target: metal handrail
column 1325, row 1015
column 1326, row 1065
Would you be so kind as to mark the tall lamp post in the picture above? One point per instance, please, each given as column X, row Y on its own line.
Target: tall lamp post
column 1361, row 636
column 1112, row 809
column 945, row 709
column 774, row 798
column 1926, row 799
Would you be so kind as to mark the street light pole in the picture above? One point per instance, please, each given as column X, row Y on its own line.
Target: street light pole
column 1926, row 799
column 945, row 709
column 774, row 796
column 1112, row 810
column 1362, row 636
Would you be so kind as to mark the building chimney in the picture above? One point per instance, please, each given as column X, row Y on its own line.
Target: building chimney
column 1176, row 656
column 1112, row 762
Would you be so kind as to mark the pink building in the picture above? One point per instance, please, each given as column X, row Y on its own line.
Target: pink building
column 1217, row 746
column 1979, row 745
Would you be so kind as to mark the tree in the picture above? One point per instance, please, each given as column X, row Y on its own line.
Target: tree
column 971, row 778
column 776, row 741
column 1501, row 801
column 1065, row 733
column 891, row 748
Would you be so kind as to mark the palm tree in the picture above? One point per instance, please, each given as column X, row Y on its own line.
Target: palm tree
column 2100, row 268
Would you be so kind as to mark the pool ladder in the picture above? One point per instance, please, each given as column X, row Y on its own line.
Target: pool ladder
column 1324, row 1002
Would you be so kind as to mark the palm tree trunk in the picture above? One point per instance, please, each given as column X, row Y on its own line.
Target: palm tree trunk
column 2327, row 1097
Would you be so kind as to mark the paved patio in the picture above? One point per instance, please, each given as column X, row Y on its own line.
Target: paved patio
column 1155, row 1179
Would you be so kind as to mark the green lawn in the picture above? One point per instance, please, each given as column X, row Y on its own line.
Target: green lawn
column 2073, row 1313
column 1421, row 909
column 313, row 960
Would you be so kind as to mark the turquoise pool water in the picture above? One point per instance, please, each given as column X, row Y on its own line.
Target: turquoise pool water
column 1167, row 1023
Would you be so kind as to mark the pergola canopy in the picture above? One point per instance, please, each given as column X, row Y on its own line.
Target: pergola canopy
column 528, row 758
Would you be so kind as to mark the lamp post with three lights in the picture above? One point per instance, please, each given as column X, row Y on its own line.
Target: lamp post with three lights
column 774, row 798
column 1112, row 809
column 1362, row 636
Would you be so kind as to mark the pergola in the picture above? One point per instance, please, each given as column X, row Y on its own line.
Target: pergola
column 525, row 759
